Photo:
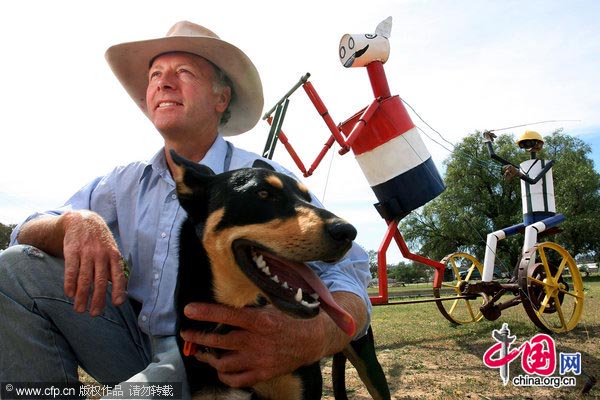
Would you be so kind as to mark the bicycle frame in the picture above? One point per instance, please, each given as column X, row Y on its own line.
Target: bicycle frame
column 531, row 234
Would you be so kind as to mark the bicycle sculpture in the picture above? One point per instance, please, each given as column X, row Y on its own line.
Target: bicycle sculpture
column 401, row 173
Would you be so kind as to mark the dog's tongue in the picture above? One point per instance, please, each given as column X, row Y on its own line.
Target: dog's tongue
column 340, row 316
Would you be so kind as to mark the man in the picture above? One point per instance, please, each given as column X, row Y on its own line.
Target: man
column 195, row 88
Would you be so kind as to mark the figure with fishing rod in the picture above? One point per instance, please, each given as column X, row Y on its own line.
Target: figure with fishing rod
column 537, row 186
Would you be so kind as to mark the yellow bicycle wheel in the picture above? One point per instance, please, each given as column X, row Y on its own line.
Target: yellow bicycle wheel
column 460, row 267
column 551, row 287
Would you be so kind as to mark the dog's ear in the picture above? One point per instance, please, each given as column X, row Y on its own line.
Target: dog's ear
column 192, row 181
column 185, row 164
column 258, row 163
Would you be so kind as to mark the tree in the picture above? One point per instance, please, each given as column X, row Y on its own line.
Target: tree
column 373, row 263
column 478, row 200
column 409, row 272
column 577, row 191
column 5, row 231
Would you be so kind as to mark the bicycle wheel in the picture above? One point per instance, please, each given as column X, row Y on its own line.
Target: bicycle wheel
column 551, row 287
column 460, row 267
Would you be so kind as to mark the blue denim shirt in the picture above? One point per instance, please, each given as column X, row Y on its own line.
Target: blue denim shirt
column 139, row 203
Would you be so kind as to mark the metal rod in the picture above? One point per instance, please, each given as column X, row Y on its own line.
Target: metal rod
column 391, row 303
column 278, row 125
column 301, row 82
column 273, row 132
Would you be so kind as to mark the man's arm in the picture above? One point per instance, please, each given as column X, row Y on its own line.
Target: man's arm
column 92, row 257
column 269, row 343
column 338, row 340
column 46, row 233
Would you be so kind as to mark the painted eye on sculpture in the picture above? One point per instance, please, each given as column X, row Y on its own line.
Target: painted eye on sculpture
column 351, row 43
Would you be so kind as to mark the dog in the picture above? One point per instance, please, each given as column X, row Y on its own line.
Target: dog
column 245, row 242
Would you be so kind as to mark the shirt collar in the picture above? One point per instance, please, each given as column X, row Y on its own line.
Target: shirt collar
column 215, row 156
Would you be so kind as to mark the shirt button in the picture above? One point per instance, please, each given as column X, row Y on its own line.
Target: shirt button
column 144, row 318
column 174, row 196
column 163, row 235
column 156, row 276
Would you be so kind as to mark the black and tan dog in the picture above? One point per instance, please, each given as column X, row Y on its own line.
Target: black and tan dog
column 245, row 242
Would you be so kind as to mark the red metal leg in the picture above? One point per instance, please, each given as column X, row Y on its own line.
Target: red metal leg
column 393, row 232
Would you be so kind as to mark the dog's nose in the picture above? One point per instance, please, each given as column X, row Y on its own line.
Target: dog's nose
column 341, row 231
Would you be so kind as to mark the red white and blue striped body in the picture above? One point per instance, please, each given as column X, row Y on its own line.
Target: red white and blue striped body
column 391, row 153
column 386, row 143
column 394, row 159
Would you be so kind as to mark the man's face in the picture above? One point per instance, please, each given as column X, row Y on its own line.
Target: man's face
column 181, row 93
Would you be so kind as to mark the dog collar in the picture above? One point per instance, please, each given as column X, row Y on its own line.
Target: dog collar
column 189, row 348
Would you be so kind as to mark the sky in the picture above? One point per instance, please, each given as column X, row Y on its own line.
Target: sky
column 463, row 65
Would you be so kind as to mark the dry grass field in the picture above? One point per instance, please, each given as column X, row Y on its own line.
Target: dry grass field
column 426, row 357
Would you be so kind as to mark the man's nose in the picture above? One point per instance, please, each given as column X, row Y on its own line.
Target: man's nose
column 166, row 81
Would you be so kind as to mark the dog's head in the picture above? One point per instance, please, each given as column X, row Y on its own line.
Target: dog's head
column 259, row 229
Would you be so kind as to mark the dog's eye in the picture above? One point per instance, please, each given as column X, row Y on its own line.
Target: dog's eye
column 263, row 194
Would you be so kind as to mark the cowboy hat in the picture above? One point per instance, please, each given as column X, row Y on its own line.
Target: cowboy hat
column 130, row 63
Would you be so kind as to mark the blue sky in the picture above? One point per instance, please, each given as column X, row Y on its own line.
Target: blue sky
column 464, row 65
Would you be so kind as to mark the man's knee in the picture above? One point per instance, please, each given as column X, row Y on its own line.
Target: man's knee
column 26, row 267
column 19, row 253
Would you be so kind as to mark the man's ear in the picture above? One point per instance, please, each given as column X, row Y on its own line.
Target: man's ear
column 223, row 100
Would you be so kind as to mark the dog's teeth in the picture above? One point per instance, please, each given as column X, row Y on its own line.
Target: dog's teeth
column 298, row 296
column 314, row 296
column 262, row 264
column 275, row 278
column 310, row 305
column 259, row 261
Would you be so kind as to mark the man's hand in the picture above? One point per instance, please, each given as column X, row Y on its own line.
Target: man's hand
column 92, row 257
column 267, row 343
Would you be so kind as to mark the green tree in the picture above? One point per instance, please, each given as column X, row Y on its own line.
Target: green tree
column 5, row 231
column 577, row 191
column 478, row 200
column 409, row 272
column 373, row 263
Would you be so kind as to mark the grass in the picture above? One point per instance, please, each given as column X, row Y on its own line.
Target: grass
column 426, row 357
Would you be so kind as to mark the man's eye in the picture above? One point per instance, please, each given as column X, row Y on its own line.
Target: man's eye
column 263, row 194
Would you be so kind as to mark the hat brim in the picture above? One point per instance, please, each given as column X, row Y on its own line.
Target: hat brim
column 130, row 62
